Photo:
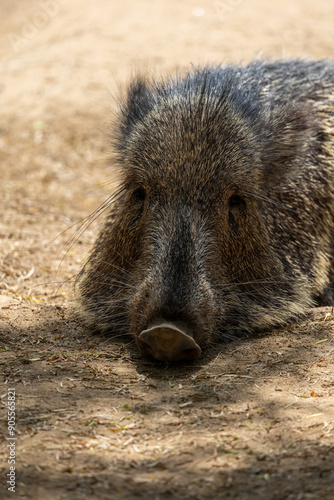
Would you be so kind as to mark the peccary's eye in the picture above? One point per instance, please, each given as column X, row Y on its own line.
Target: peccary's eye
column 236, row 201
column 139, row 194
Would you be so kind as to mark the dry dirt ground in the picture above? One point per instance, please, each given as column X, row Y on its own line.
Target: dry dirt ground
column 94, row 419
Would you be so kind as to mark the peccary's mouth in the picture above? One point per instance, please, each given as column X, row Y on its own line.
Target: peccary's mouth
column 166, row 341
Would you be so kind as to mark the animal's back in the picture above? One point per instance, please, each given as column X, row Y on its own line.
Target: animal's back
column 282, row 82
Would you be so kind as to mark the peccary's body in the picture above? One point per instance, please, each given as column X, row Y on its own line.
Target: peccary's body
column 224, row 220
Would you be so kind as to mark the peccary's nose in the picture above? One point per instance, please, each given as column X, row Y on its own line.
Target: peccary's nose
column 168, row 342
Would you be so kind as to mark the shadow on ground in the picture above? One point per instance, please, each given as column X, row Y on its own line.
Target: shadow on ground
column 96, row 419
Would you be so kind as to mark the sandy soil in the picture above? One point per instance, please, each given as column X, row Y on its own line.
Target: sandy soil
column 250, row 420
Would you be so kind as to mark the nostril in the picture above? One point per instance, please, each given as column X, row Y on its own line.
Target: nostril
column 168, row 342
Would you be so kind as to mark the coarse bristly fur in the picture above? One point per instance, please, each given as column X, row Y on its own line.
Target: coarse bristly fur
column 224, row 218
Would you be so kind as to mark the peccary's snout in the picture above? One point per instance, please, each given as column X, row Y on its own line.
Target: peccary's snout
column 169, row 342
column 172, row 309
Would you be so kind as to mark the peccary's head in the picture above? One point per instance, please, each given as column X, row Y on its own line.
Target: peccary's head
column 186, row 255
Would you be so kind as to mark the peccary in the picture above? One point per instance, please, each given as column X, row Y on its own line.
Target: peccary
column 223, row 223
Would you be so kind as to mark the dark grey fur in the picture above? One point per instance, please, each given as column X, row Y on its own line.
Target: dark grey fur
column 224, row 218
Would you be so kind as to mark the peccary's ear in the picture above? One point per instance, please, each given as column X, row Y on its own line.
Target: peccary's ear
column 290, row 131
column 137, row 102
